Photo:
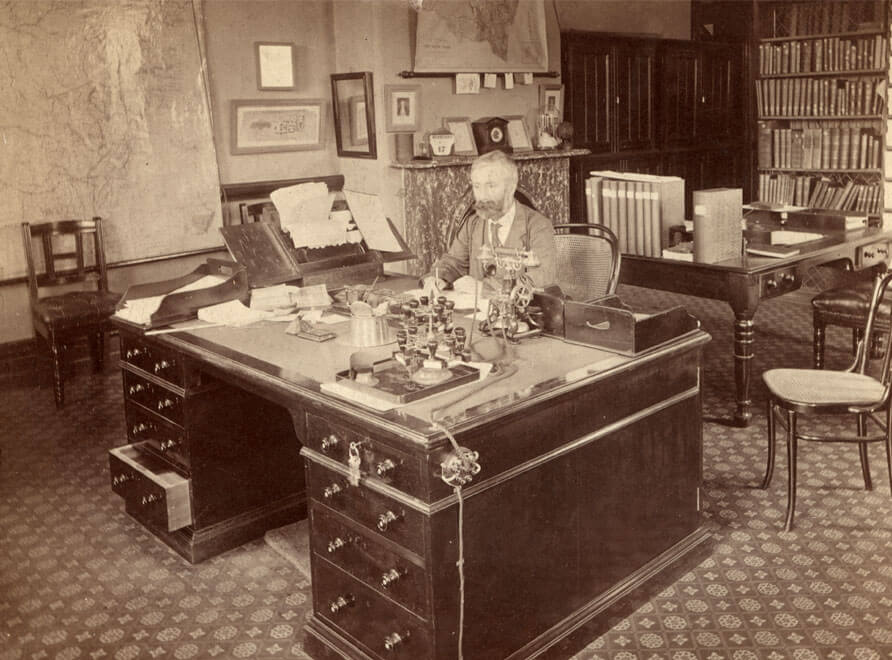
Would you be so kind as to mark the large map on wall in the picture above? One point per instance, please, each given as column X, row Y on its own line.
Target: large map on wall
column 481, row 35
column 103, row 112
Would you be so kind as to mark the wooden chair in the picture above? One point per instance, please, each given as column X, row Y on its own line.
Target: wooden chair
column 588, row 260
column 864, row 394
column 62, row 256
column 845, row 306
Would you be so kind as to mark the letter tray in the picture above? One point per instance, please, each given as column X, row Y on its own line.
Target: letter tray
column 610, row 324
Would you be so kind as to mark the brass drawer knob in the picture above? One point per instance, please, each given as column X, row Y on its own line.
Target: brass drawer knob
column 341, row 602
column 136, row 389
column 386, row 519
column 119, row 479
column 336, row 544
column 329, row 441
column 162, row 365
column 170, row 443
column 331, row 490
column 134, row 352
column 148, row 499
column 165, row 403
column 141, row 427
column 393, row 640
column 391, row 576
column 384, row 467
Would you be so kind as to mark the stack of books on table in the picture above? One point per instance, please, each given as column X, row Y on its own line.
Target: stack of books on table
column 638, row 208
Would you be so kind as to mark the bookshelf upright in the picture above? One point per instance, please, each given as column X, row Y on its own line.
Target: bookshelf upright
column 820, row 91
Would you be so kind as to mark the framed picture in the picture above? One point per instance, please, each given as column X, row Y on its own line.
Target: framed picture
column 359, row 130
column 265, row 125
column 275, row 65
column 551, row 100
column 460, row 127
column 518, row 135
column 403, row 108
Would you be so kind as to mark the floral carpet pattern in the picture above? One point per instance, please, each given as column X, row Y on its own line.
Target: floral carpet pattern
column 80, row 579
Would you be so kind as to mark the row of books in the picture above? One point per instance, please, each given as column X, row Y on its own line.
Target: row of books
column 796, row 19
column 820, row 192
column 819, row 148
column 827, row 54
column 638, row 208
column 818, row 97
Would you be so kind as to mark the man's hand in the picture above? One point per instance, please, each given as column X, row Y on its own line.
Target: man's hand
column 433, row 283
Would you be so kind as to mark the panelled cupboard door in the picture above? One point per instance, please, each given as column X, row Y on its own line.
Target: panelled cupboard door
column 678, row 75
column 718, row 96
column 590, row 102
column 634, row 67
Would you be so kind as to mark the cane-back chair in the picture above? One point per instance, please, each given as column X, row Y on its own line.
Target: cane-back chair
column 588, row 260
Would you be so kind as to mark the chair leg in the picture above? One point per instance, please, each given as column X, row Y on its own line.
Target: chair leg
column 818, row 344
column 57, row 352
column 769, row 470
column 857, row 335
column 862, row 451
column 97, row 349
column 791, row 469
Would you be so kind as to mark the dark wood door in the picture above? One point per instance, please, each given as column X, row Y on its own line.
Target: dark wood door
column 587, row 68
column 719, row 116
column 678, row 74
column 634, row 67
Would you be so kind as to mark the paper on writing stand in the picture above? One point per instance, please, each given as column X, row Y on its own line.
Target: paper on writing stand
column 232, row 313
column 368, row 213
column 304, row 213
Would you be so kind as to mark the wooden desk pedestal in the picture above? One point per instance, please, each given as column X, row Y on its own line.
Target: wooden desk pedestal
column 579, row 499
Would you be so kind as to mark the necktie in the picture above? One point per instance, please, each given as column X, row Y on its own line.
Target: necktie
column 494, row 227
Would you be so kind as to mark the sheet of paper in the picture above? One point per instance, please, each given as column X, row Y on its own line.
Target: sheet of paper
column 489, row 80
column 315, row 295
column 232, row 313
column 509, row 81
column 786, row 237
column 368, row 213
column 304, row 213
column 526, row 78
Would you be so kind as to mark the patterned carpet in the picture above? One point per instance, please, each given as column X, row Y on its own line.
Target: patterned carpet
column 80, row 579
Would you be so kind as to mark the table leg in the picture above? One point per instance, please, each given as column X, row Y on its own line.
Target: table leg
column 744, row 336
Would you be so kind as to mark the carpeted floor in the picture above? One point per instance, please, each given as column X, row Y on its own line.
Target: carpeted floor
column 80, row 579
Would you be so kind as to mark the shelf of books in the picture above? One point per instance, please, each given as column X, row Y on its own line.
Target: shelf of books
column 821, row 100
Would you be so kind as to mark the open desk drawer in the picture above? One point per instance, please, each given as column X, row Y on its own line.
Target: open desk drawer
column 150, row 487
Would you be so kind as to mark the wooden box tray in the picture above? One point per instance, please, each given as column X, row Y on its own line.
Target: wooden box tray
column 395, row 384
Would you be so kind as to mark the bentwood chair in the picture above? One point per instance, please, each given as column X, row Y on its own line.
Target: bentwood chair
column 68, row 289
column 588, row 260
column 861, row 392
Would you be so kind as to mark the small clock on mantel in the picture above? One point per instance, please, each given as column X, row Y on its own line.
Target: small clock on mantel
column 491, row 133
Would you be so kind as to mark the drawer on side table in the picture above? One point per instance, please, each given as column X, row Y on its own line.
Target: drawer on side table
column 383, row 627
column 396, row 575
column 150, row 487
column 388, row 517
column 153, row 359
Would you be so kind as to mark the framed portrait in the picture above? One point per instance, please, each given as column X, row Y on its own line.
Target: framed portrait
column 275, row 65
column 518, row 135
column 467, row 83
column 266, row 125
column 403, row 108
column 551, row 100
column 460, row 127
column 359, row 129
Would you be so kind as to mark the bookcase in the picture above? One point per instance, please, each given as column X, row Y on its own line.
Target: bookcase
column 821, row 102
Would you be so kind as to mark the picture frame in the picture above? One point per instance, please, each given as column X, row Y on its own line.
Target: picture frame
column 460, row 127
column 518, row 134
column 270, row 125
column 467, row 83
column 551, row 100
column 359, row 130
column 402, row 108
column 275, row 65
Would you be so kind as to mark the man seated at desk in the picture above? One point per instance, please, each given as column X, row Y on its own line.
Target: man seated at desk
column 499, row 221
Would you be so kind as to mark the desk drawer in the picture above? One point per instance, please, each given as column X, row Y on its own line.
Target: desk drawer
column 384, row 628
column 153, row 359
column 168, row 440
column 871, row 255
column 149, row 486
column 378, row 460
column 360, row 554
column 379, row 513
column 156, row 398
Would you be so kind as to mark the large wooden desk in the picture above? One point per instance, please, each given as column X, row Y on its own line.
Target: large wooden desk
column 554, row 528
column 744, row 281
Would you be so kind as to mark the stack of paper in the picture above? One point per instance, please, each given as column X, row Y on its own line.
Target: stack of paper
column 304, row 213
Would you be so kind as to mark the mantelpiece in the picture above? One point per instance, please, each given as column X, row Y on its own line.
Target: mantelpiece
column 433, row 189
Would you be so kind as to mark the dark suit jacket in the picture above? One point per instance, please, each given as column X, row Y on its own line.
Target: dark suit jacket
column 530, row 230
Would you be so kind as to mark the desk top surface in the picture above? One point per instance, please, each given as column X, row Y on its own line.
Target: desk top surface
column 274, row 361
